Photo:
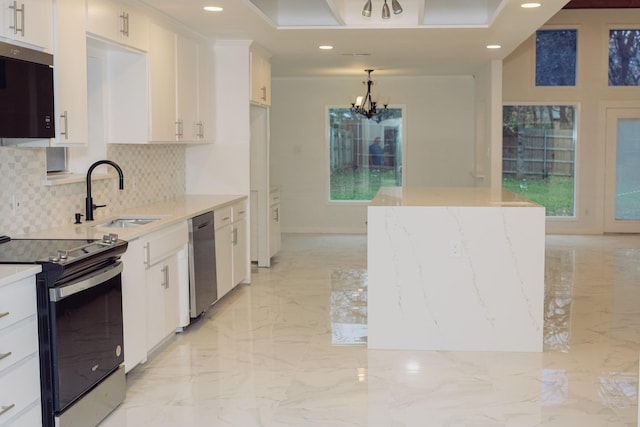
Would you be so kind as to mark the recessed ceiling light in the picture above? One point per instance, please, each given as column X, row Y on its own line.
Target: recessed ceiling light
column 531, row 5
column 493, row 46
column 213, row 8
column 325, row 47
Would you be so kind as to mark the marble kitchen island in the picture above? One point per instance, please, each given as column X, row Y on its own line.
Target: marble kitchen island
column 455, row 269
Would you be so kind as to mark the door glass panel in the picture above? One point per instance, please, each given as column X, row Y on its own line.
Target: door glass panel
column 627, row 171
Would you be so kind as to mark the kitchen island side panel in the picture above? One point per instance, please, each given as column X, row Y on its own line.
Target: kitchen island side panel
column 456, row 278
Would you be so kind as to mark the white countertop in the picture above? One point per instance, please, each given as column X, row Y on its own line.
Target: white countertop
column 10, row 273
column 171, row 211
column 449, row 196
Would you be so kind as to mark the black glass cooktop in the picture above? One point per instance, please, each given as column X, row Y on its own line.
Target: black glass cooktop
column 53, row 250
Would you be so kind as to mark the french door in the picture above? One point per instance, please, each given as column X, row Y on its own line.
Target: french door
column 622, row 171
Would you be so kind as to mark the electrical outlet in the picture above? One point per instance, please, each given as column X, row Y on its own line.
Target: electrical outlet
column 454, row 248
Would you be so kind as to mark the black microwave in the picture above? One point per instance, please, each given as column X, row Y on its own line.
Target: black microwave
column 26, row 93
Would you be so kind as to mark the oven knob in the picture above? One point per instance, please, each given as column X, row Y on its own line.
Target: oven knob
column 113, row 237
column 63, row 254
column 54, row 258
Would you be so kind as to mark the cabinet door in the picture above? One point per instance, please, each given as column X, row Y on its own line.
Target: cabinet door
column 275, row 239
column 134, row 305
column 116, row 22
column 240, row 254
column 205, row 93
column 260, row 78
column 224, row 259
column 187, row 88
column 162, row 300
column 162, row 75
column 29, row 21
column 70, row 74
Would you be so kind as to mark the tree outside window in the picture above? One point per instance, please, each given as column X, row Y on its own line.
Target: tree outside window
column 556, row 57
column 364, row 154
column 624, row 57
column 538, row 155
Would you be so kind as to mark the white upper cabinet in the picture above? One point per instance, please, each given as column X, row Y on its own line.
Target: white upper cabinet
column 28, row 21
column 205, row 93
column 188, row 128
column 118, row 22
column 162, row 84
column 260, row 77
column 194, row 72
column 70, row 73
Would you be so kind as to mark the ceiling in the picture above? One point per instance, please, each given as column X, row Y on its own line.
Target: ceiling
column 430, row 37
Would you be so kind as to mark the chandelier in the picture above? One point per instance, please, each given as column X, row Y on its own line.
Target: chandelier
column 365, row 105
column 397, row 9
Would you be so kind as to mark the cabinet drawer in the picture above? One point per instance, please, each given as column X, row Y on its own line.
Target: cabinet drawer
column 17, row 301
column 31, row 418
column 19, row 388
column 239, row 212
column 165, row 242
column 222, row 217
column 17, row 342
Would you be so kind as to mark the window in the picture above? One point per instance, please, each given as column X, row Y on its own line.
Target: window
column 624, row 58
column 364, row 154
column 556, row 57
column 538, row 155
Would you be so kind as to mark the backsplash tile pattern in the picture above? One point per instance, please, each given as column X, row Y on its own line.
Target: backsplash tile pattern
column 152, row 173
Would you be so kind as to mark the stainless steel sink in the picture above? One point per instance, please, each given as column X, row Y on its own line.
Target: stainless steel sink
column 127, row 222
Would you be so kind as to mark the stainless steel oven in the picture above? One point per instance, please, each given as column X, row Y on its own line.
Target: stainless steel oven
column 80, row 326
column 87, row 346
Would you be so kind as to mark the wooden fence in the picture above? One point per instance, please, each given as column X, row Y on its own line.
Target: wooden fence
column 539, row 153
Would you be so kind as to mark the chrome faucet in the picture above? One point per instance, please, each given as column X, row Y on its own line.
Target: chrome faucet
column 90, row 207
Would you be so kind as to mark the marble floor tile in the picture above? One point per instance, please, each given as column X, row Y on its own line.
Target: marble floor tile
column 290, row 350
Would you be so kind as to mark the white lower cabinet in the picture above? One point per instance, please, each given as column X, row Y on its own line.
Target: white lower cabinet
column 224, row 250
column 239, row 241
column 232, row 256
column 154, row 276
column 162, row 300
column 19, row 358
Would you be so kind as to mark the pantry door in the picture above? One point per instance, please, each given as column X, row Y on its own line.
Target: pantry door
column 622, row 172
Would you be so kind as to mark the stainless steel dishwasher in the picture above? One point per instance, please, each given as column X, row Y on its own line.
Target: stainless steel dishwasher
column 203, row 288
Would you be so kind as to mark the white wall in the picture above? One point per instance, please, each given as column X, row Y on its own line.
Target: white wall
column 438, row 144
column 591, row 94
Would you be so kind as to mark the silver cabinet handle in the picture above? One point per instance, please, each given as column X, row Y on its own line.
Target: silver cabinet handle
column 5, row 314
column 234, row 236
column 276, row 215
column 200, row 129
column 7, row 408
column 125, row 24
column 264, row 93
column 17, row 10
column 5, row 355
column 64, row 128
column 165, row 277
column 179, row 129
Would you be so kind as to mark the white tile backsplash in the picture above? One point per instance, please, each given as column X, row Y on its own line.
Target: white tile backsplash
column 152, row 173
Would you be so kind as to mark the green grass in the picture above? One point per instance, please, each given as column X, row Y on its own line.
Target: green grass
column 361, row 184
column 555, row 193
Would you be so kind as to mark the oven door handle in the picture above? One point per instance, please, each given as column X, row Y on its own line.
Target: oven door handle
column 86, row 282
